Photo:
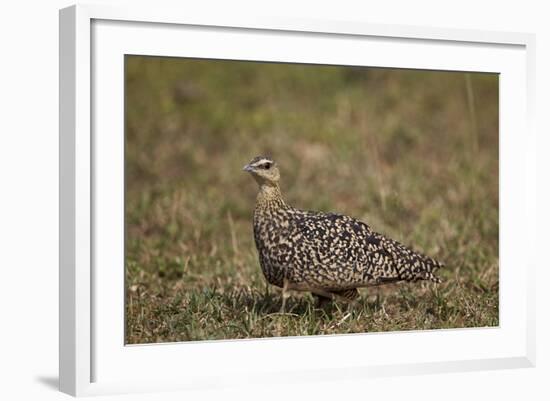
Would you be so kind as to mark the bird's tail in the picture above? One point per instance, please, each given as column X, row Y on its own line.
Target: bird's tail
column 412, row 265
column 427, row 269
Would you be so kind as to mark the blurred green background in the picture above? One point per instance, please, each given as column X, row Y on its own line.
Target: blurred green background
column 412, row 153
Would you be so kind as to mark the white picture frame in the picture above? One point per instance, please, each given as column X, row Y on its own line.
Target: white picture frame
column 93, row 357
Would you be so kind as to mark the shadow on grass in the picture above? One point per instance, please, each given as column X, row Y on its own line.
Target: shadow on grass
column 266, row 303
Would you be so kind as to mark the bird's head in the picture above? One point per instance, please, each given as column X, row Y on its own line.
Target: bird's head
column 264, row 170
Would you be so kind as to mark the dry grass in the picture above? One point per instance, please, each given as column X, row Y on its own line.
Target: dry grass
column 412, row 153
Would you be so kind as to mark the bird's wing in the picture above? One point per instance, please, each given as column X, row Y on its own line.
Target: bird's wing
column 340, row 252
column 353, row 254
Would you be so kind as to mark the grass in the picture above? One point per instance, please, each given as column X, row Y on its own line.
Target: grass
column 412, row 153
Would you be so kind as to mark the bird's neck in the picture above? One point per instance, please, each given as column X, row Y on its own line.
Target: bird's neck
column 270, row 197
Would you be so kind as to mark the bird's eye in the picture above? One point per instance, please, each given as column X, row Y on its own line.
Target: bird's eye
column 267, row 166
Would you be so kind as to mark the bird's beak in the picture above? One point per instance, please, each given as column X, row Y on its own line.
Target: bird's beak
column 248, row 168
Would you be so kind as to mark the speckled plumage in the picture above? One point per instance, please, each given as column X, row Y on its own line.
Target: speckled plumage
column 326, row 253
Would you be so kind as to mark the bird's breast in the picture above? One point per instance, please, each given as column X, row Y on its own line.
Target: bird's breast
column 274, row 245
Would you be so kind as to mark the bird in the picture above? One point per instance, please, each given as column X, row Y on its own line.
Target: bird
column 330, row 255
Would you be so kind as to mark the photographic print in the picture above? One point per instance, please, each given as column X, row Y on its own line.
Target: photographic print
column 278, row 199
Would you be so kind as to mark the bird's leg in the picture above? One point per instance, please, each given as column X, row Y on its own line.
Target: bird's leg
column 285, row 295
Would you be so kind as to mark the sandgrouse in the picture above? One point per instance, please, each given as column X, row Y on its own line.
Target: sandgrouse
column 327, row 254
